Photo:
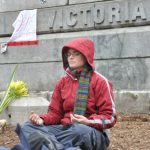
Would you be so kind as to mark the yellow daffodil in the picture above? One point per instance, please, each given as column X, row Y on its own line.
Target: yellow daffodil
column 16, row 89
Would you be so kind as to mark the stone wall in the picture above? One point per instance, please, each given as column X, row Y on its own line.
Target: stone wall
column 119, row 28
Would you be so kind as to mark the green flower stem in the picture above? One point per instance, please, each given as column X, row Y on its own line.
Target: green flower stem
column 14, row 90
column 4, row 105
column 8, row 87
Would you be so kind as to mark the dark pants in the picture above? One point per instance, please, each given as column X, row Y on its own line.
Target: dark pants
column 70, row 136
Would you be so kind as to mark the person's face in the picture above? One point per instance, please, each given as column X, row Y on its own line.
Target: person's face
column 75, row 59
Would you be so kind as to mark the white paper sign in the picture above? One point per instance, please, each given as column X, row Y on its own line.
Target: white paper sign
column 25, row 26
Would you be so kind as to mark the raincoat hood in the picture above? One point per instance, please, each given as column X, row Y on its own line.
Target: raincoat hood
column 84, row 46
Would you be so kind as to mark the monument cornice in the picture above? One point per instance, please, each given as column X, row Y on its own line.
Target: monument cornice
column 80, row 17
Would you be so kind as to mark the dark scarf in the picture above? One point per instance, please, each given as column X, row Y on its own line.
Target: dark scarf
column 83, row 89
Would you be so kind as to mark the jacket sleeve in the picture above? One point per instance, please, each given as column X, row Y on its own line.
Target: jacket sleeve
column 106, row 114
column 55, row 109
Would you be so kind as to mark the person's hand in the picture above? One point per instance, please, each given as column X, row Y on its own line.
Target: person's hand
column 35, row 118
column 79, row 119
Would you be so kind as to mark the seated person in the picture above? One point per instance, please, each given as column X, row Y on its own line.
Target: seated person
column 81, row 107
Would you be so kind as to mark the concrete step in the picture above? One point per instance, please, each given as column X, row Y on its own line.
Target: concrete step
column 19, row 110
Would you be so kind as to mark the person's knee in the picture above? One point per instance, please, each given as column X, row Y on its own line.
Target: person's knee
column 27, row 128
column 26, row 124
column 80, row 129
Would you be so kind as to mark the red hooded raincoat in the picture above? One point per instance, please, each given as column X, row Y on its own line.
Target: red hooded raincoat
column 100, row 105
